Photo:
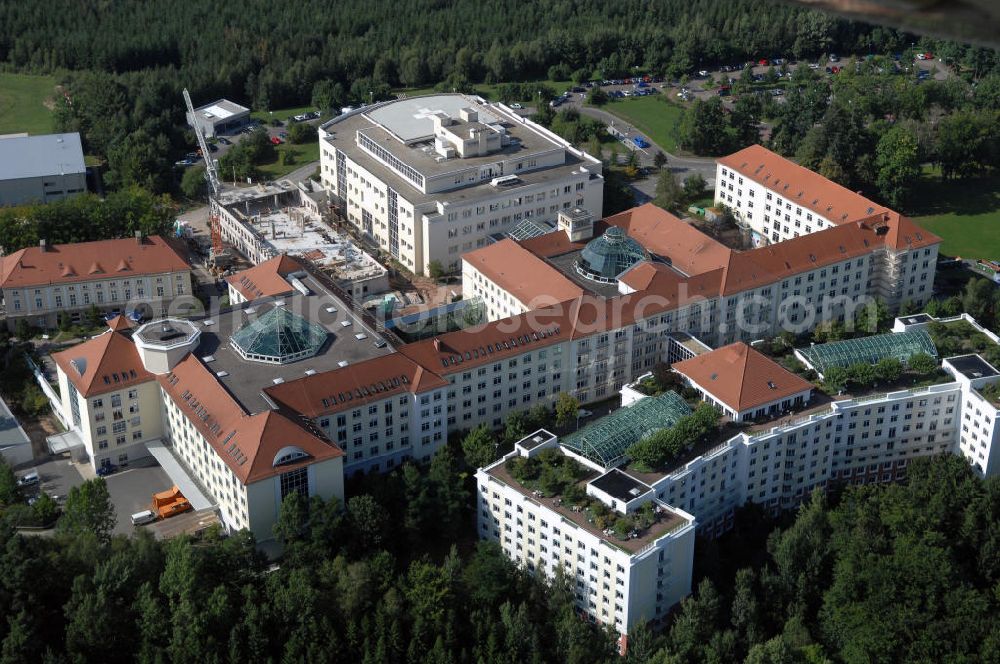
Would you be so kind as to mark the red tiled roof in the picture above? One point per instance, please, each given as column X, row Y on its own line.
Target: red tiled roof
column 266, row 279
column 741, row 377
column 773, row 262
column 103, row 364
column 120, row 323
column 472, row 347
column 521, row 273
column 355, row 385
column 663, row 234
column 800, row 186
column 903, row 232
column 86, row 261
column 248, row 444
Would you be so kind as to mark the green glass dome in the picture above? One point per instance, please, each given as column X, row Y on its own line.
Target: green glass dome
column 278, row 337
column 605, row 257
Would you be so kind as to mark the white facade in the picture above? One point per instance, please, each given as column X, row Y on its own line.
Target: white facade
column 114, row 426
column 863, row 440
column 41, row 305
column 764, row 210
column 254, row 506
column 613, row 584
column 434, row 203
column 896, row 276
column 381, row 435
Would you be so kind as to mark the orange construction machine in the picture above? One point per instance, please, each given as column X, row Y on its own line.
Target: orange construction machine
column 170, row 503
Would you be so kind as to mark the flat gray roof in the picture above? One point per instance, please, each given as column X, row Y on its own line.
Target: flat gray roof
column 246, row 379
column 343, row 139
column 11, row 433
column 40, row 156
column 221, row 109
column 410, row 119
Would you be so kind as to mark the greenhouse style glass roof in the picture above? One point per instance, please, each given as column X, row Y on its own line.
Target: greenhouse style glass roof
column 606, row 440
column 279, row 337
column 605, row 257
column 528, row 229
column 869, row 350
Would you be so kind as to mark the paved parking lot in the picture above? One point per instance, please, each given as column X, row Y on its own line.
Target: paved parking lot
column 57, row 476
column 132, row 491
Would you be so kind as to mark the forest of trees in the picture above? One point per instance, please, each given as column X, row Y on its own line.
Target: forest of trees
column 123, row 64
column 905, row 572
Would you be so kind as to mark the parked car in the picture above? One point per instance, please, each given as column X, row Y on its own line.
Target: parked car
column 583, row 412
column 703, row 73
column 762, row 62
column 29, row 479
column 143, row 517
column 834, row 58
column 225, row 141
column 276, row 141
column 813, row 65
column 516, row 106
column 107, row 469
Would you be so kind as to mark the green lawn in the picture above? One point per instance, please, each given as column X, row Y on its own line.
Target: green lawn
column 654, row 116
column 282, row 114
column 965, row 213
column 22, row 103
column 303, row 154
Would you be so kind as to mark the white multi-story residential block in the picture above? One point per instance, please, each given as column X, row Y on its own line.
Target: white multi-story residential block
column 147, row 275
column 620, row 580
column 430, row 178
column 778, row 200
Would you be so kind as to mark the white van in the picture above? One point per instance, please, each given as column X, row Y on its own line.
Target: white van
column 143, row 517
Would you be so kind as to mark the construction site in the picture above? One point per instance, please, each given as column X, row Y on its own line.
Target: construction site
column 267, row 220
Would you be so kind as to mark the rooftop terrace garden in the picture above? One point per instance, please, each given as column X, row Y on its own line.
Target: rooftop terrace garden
column 551, row 474
column 662, row 447
column 991, row 393
column 960, row 338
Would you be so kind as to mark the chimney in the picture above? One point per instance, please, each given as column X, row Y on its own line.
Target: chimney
column 437, row 345
column 138, row 237
column 42, row 246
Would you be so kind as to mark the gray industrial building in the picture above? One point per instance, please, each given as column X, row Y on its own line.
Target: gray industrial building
column 15, row 445
column 220, row 117
column 41, row 169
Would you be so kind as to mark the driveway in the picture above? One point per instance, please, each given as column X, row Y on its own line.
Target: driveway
column 57, row 476
column 132, row 491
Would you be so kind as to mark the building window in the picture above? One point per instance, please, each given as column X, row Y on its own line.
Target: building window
column 295, row 481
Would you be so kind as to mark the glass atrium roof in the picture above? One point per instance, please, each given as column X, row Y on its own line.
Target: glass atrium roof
column 528, row 229
column 605, row 257
column 606, row 440
column 869, row 350
column 279, row 337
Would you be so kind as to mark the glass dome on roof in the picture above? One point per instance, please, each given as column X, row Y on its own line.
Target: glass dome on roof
column 605, row 257
column 278, row 337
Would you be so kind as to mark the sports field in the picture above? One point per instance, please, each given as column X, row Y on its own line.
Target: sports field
column 22, row 103
column 655, row 117
column 964, row 212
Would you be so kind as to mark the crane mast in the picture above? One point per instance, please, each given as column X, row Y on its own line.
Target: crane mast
column 212, row 175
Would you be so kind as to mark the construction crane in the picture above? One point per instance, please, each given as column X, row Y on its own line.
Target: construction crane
column 212, row 175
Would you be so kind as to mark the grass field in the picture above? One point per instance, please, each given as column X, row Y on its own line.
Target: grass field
column 22, row 103
column 965, row 213
column 655, row 117
column 304, row 154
